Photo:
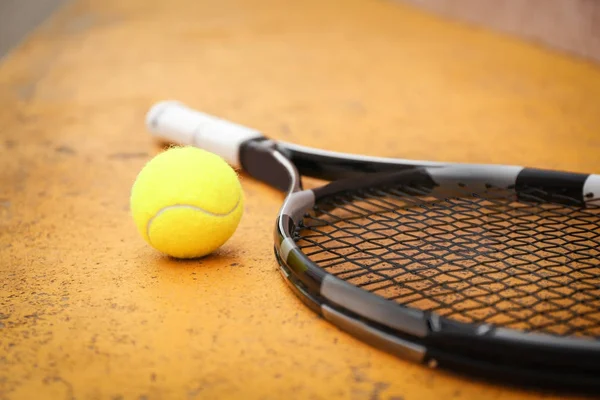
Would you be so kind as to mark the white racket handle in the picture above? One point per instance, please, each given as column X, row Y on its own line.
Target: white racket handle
column 179, row 124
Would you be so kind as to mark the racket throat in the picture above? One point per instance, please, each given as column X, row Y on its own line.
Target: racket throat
column 260, row 158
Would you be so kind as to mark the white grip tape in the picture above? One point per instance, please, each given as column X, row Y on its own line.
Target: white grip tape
column 177, row 123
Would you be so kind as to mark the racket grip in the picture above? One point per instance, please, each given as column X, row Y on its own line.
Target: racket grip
column 176, row 123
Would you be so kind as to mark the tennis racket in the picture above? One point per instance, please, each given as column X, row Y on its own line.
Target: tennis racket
column 488, row 270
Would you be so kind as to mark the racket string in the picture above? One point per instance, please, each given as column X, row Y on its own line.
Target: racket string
column 489, row 258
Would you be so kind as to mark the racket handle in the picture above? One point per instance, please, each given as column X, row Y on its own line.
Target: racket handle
column 176, row 123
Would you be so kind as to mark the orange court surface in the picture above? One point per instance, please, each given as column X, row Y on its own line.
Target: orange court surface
column 89, row 311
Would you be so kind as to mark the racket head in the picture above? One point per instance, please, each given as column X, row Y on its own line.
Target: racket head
column 430, row 264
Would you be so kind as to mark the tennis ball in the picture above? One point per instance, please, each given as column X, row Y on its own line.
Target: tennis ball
column 186, row 202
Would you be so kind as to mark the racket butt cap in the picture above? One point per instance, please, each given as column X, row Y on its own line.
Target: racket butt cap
column 164, row 121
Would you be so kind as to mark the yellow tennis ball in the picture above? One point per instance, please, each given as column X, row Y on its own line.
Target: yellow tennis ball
column 186, row 202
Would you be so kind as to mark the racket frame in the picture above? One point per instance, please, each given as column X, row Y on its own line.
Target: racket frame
column 423, row 337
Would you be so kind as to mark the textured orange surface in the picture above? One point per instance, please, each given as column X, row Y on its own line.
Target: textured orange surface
column 89, row 311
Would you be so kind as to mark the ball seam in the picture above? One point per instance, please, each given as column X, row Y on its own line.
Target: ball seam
column 195, row 208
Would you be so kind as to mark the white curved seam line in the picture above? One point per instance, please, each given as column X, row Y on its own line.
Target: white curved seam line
column 190, row 207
